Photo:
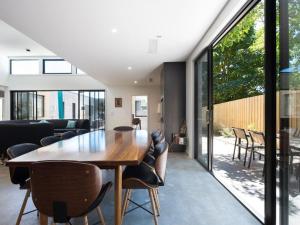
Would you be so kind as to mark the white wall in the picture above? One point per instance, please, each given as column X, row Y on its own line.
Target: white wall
column 222, row 19
column 122, row 116
column 4, row 70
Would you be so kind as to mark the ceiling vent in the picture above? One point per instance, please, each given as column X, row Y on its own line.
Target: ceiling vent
column 153, row 45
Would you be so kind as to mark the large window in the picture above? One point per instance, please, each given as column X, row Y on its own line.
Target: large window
column 42, row 65
column 56, row 66
column 37, row 105
column 24, row 67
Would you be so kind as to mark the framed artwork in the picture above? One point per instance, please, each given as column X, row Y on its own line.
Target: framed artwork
column 118, row 102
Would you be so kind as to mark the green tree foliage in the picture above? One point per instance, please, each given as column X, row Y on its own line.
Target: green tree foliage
column 239, row 60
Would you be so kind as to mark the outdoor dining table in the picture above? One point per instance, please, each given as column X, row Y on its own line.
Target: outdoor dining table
column 106, row 149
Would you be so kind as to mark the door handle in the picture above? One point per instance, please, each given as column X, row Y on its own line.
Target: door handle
column 207, row 116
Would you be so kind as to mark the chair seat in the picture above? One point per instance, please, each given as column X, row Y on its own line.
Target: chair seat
column 141, row 176
column 243, row 145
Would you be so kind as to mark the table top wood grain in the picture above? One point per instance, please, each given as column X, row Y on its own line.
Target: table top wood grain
column 101, row 148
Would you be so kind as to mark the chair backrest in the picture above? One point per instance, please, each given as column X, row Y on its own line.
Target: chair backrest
column 67, row 135
column 155, row 134
column 49, row 140
column 19, row 175
column 158, row 139
column 239, row 133
column 82, row 131
column 136, row 122
column 123, row 128
column 63, row 190
column 161, row 162
column 257, row 137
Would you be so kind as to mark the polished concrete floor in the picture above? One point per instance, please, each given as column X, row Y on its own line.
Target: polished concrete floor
column 191, row 197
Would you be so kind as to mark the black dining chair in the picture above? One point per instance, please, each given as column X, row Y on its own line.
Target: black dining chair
column 68, row 135
column 82, row 131
column 123, row 128
column 65, row 190
column 147, row 177
column 20, row 175
column 137, row 123
column 49, row 140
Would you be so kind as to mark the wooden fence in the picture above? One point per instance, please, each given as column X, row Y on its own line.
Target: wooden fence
column 247, row 113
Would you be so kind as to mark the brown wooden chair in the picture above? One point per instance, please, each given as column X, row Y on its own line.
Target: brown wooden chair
column 137, row 123
column 241, row 141
column 258, row 145
column 64, row 189
column 146, row 177
column 20, row 175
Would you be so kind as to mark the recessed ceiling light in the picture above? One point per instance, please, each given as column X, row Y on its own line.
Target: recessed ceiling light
column 28, row 50
column 129, row 68
column 135, row 81
column 114, row 30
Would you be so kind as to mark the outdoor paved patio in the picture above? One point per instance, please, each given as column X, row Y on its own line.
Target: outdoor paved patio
column 248, row 184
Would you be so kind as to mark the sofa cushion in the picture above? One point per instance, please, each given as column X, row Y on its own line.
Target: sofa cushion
column 71, row 124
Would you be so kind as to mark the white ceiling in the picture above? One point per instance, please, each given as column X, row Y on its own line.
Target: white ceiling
column 81, row 32
column 15, row 43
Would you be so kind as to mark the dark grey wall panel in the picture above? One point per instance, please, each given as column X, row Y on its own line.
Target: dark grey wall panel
column 174, row 92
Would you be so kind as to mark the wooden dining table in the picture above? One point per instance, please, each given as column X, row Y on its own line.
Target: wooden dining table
column 106, row 149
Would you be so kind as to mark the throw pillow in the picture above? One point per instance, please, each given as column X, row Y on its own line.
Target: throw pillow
column 71, row 124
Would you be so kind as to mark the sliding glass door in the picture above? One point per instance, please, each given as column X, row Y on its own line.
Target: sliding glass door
column 202, row 109
column 24, row 105
column 289, row 108
column 37, row 105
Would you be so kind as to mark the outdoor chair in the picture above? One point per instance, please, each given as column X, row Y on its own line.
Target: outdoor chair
column 241, row 141
column 258, row 145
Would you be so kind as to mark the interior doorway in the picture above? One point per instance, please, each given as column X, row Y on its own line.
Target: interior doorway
column 140, row 110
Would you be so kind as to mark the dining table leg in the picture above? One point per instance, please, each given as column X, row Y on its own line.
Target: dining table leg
column 43, row 219
column 118, row 194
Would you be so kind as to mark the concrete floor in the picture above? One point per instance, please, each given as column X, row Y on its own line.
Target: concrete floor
column 191, row 197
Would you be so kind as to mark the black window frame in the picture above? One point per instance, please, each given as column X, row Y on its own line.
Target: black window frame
column 44, row 66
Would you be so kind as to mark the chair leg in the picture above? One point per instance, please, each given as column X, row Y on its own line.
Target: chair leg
column 251, row 156
column 100, row 214
column 239, row 153
column 157, row 198
column 153, row 206
column 85, row 220
column 234, row 149
column 125, row 202
column 246, row 153
column 154, row 192
column 23, row 207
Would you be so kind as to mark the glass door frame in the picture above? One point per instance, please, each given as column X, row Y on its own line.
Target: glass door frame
column 270, row 100
column 208, row 52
